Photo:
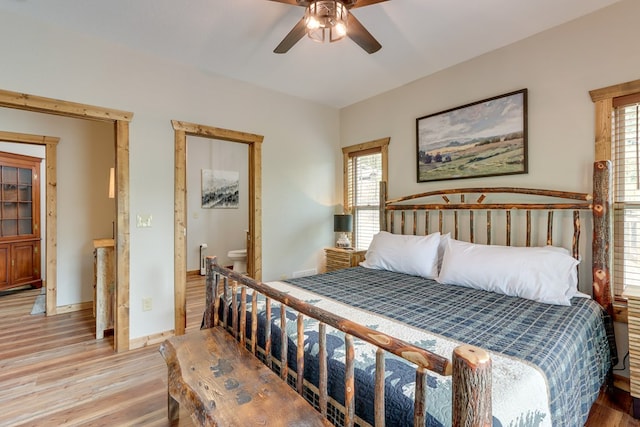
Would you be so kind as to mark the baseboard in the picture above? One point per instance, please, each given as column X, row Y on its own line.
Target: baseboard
column 148, row 340
column 622, row 383
column 193, row 273
column 61, row 309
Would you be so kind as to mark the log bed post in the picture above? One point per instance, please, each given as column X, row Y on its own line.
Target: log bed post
column 602, row 234
column 471, row 387
column 383, row 204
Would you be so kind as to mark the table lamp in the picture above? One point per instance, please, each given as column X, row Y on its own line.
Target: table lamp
column 343, row 224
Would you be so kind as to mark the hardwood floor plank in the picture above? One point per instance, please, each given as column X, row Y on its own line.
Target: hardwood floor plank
column 53, row 372
column 131, row 402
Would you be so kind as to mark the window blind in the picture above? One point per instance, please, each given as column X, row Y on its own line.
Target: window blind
column 626, row 192
column 364, row 174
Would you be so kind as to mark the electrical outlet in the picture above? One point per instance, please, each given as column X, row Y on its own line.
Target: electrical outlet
column 283, row 277
column 147, row 304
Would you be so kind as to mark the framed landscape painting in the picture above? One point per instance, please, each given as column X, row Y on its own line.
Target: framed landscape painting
column 220, row 189
column 485, row 138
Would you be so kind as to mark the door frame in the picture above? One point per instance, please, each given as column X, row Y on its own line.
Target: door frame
column 120, row 120
column 254, row 244
column 51, row 233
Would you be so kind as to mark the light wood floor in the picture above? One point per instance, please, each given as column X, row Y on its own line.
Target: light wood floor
column 53, row 372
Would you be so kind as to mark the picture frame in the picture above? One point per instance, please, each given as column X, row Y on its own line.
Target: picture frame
column 220, row 189
column 480, row 139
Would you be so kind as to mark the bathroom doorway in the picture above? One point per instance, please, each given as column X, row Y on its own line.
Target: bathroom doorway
column 217, row 203
column 254, row 183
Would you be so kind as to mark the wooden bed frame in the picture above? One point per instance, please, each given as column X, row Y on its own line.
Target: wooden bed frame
column 470, row 367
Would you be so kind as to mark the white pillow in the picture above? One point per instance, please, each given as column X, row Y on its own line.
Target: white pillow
column 540, row 273
column 414, row 255
column 573, row 288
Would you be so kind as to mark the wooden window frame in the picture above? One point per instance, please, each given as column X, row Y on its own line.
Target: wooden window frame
column 378, row 145
column 603, row 101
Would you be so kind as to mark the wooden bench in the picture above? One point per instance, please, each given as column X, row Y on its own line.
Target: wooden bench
column 222, row 384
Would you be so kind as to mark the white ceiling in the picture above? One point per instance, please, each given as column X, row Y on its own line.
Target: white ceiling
column 236, row 38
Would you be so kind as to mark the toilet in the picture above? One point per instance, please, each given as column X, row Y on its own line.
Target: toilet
column 239, row 258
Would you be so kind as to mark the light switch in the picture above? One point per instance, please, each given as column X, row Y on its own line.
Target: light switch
column 143, row 221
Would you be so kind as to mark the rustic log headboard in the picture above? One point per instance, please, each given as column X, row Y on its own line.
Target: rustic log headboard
column 459, row 211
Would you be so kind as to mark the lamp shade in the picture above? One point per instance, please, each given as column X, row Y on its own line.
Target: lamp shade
column 342, row 223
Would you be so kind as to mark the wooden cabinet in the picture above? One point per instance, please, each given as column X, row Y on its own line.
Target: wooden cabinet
column 104, row 283
column 19, row 221
column 338, row 258
column 20, row 264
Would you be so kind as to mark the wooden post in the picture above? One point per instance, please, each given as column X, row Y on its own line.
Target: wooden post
column 243, row 316
column 550, row 228
column 323, row 380
column 575, row 244
column 379, row 393
column 267, row 333
column 234, row 308
column 528, row 243
column 471, row 382
column 104, row 291
column 420, row 402
column 284, row 343
column 508, row 232
column 414, row 215
column 211, row 309
column 602, row 234
column 383, row 206
column 349, row 382
column 254, row 322
column 300, row 356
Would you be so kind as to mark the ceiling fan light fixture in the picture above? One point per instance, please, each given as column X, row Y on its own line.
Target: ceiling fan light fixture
column 324, row 16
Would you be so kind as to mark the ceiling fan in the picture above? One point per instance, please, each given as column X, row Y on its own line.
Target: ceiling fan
column 332, row 18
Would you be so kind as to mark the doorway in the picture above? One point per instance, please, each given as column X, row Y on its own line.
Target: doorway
column 49, row 144
column 254, row 240
column 120, row 120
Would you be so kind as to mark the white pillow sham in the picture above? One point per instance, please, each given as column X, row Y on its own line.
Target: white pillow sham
column 414, row 255
column 542, row 274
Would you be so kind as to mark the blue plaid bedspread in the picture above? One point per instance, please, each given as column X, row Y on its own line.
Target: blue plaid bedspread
column 568, row 344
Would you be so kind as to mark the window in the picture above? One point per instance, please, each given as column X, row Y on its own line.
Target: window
column 617, row 141
column 625, row 157
column 365, row 165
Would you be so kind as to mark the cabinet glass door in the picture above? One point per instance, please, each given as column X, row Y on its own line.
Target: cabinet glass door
column 16, row 197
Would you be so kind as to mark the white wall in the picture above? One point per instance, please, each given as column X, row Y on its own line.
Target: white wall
column 221, row 229
column 85, row 212
column 298, row 153
column 559, row 67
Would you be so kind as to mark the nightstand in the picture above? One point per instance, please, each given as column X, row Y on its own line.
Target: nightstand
column 338, row 258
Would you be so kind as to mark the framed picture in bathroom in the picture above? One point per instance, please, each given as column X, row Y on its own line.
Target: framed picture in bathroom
column 220, row 189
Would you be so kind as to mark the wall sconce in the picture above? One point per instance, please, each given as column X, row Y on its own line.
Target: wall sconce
column 343, row 224
column 112, row 183
column 112, row 195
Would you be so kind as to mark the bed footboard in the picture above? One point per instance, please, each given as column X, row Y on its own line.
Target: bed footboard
column 470, row 367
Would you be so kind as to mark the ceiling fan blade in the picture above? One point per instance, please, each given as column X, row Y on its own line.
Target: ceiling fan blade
column 363, row 3
column 292, row 38
column 359, row 34
column 296, row 2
